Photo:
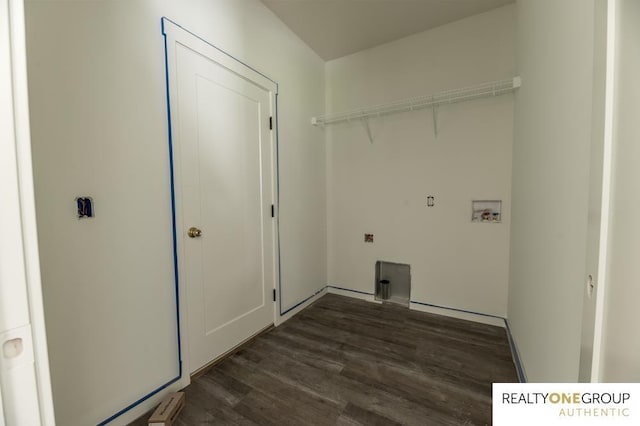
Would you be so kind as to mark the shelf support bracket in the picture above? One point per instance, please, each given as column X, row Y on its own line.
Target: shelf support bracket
column 434, row 110
column 365, row 121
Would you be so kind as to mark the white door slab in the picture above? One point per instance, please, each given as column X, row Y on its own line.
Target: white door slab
column 223, row 159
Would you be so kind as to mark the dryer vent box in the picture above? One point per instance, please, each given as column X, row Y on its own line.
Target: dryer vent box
column 393, row 282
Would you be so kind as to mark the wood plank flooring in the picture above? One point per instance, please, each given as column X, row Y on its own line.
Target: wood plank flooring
column 344, row 361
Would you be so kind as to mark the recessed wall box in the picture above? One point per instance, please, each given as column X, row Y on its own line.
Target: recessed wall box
column 488, row 211
column 393, row 282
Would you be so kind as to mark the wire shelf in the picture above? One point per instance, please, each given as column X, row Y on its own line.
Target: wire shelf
column 493, row 88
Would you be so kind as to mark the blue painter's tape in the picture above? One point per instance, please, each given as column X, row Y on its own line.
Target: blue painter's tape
column 277, row 148
column 173, row 203
column 174, row 246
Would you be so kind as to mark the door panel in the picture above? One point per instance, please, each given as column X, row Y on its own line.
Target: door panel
column 226, row 192
column 228, row 126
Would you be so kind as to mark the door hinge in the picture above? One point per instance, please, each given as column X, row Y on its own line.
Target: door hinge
column 274, row 294
column 273, row 211
column 270, row 123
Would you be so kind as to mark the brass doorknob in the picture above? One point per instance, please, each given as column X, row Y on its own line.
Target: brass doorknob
column 194, row 232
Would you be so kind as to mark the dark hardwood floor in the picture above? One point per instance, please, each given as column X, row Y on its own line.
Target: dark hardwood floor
column 344, row 361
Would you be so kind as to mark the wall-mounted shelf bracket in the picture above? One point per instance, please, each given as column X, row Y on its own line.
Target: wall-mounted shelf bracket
column 367, row 127
column 434, row 110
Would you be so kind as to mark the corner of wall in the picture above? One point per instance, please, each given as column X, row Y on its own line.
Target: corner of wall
column 515, row 355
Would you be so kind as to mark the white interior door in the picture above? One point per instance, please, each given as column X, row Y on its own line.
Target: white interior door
column 223, row 152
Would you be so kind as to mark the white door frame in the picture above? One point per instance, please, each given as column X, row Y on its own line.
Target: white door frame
column 175, row 34
column 603, row 253
column 24, row 379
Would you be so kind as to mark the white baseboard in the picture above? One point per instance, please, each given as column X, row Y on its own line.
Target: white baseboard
column 449, row 312
column 352, row 293
column 454, row 313
column 439, row 310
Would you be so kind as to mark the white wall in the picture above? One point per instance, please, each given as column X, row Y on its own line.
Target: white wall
column 382, row 187
column 551, row 158
column 97, row 92
column 621, row 334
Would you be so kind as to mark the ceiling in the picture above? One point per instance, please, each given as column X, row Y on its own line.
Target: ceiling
column 335, row 28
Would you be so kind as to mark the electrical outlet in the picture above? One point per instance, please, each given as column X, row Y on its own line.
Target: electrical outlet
column 85, row 207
